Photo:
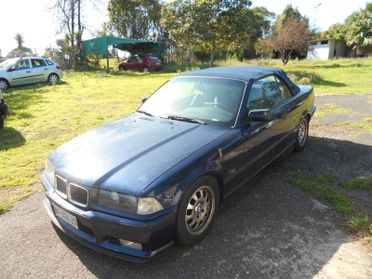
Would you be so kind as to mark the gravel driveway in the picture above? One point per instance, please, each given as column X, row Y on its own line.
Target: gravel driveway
column 269, row 229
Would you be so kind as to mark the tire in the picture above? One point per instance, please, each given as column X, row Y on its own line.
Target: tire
column 53, row 79
column 1, row 121
column 3, row 109
column 302, row 134
column 195, row 214
column 4, row 84
column 145, row 69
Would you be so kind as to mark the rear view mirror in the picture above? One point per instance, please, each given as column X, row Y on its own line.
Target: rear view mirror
column 144, row 99
column 259, row 115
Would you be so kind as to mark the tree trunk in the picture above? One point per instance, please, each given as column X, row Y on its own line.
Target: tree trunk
column 79, row 35
column 211, row 58
column 284, row 56
column 72, row 23
column 73, row 50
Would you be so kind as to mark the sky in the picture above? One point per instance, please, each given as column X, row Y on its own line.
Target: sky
column 38, row 24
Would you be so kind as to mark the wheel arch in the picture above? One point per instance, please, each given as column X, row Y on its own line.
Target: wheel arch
column 53, row 73
column 218, row 177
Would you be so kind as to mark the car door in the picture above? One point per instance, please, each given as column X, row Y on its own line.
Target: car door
column 140, row 63
column 39, row 70
column 278, row 98
column 133, row 64
column 260, row 142
column 20, row 72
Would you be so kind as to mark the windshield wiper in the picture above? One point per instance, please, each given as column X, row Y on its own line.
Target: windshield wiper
column 186, row 119
column 145, row 112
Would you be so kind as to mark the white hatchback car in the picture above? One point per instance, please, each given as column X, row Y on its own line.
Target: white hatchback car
column 27, row 70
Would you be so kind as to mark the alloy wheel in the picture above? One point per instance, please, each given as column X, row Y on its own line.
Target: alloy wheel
column 53, row 79
column 3, row 85
column 302, row 132
column 200, row 210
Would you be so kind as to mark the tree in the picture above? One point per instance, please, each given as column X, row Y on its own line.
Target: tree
column 337, row 32
column 135, row 19
column 358, row 28
column 263, row 48
column 70, row 18
column 19, row 39
column 293, row 36
column 288, row 13
column 20, row 50
column 207, row 25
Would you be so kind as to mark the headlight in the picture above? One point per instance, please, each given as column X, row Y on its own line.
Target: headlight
column 116, row 200
column 128, row 203
column 148, row 205
column 49, row 172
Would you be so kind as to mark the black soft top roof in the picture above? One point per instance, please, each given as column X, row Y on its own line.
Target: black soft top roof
column 245, row 73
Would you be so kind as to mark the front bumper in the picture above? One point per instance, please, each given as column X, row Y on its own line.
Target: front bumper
column 101, row 231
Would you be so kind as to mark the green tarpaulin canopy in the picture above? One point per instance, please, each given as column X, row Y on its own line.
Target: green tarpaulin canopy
column 99, row 46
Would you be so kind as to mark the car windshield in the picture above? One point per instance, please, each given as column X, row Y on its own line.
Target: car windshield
column 201, row 99
column 5, row 64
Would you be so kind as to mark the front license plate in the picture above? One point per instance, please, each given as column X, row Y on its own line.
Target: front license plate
column 65, row 216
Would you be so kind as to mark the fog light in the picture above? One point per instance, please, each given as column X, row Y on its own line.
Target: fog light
column 130, row 244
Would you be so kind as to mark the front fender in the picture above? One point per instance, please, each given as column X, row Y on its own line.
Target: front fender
column 168, row 188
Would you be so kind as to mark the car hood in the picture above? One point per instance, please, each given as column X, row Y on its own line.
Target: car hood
column 127, row 155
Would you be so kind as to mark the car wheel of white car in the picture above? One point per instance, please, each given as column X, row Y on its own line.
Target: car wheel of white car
column 53, row 79
column 3, row 84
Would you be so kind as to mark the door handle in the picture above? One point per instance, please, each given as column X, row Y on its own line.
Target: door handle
column 28, row 72
column 272, row 123
column 45, row 69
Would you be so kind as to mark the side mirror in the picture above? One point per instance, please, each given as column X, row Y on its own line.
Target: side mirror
column 259, row 115
column 144, row 99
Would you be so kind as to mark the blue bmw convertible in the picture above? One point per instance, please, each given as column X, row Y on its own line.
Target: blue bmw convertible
column 134, row 186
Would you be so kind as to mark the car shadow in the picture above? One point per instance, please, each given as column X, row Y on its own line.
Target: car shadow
column 10, row 138
column 268, row 229
column 34, row 86
column 20, row 97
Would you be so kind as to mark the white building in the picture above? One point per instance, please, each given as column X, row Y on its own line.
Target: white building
column 326, row 49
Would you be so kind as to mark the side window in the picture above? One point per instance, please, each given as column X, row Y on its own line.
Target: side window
column 267, row 93
column 23, row 64
column 284, row 90
column 36, row 63
column 50, row 63
column 132, row 59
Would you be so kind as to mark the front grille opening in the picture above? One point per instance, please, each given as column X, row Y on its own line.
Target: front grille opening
column 85, row 229
column 61, row 185
column 78, row 194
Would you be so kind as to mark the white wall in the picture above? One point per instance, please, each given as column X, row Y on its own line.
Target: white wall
column 319, row 51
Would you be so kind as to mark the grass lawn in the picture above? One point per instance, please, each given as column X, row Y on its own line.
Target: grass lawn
column 323, row 187
column 43, row 117
column 341, row 76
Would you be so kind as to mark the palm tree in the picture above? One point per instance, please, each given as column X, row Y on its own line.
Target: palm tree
column 19, row 39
